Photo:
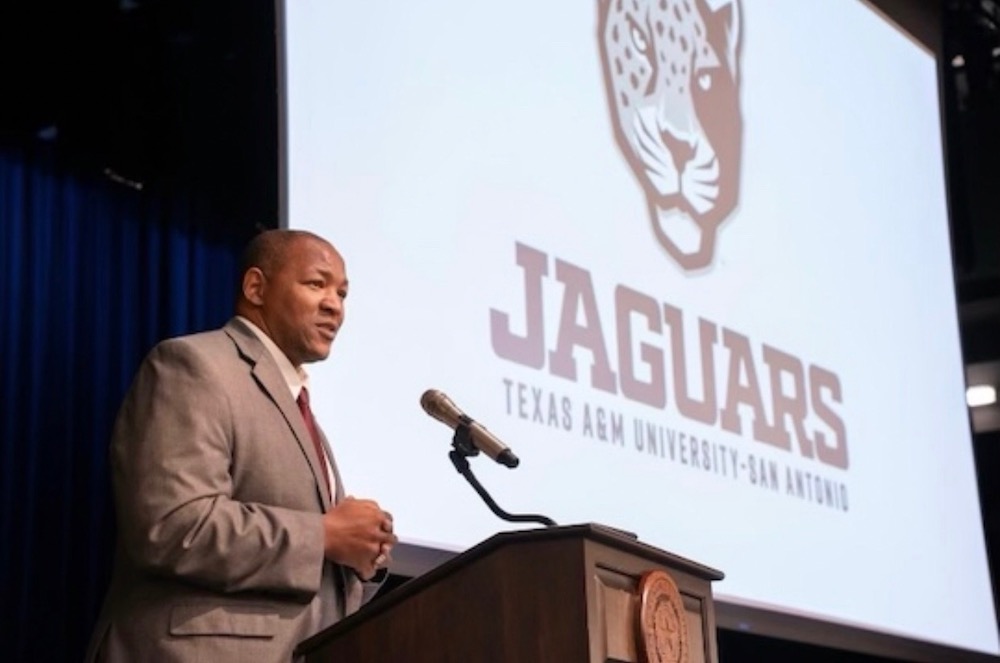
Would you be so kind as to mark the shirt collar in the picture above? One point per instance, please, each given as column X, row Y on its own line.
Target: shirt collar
column 295, row 376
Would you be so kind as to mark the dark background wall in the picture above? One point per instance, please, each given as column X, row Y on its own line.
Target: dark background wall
column 139, row 151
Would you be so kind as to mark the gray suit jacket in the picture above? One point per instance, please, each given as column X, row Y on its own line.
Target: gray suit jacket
column 219, row 496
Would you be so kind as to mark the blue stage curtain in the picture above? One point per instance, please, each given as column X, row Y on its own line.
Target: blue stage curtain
column 92, row 274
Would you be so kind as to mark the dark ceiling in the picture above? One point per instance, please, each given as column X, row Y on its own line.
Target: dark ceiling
column 160, row 94
column 971, row 64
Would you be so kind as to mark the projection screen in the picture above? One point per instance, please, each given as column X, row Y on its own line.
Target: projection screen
column 689, row 259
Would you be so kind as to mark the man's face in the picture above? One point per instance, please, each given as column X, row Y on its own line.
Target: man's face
column 302, row 304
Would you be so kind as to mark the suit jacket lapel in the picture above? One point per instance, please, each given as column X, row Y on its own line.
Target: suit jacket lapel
column 265, row 372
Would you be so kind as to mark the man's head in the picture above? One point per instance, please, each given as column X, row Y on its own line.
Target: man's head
column 293, row 287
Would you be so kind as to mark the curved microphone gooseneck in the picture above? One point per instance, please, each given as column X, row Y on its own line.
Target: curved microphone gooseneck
column 469, row 439
column 463, row 448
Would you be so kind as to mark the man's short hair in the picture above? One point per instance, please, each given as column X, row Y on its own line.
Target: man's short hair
column 267, row 250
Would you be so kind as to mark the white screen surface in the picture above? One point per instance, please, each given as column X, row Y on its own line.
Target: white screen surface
column 828, row 470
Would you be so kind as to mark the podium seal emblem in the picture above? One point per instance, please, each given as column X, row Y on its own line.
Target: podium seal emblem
column 661, row 624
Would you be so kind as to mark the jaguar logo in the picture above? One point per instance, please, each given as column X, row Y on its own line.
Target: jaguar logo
column 671, row 74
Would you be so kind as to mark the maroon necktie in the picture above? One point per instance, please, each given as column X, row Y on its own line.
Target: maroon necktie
column 307, row 415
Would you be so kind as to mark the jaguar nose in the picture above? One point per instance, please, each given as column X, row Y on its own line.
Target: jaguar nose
column 682, row 151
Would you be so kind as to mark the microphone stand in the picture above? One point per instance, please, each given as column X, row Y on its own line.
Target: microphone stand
column 463, row 449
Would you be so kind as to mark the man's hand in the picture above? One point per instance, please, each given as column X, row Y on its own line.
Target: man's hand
column 358, row 533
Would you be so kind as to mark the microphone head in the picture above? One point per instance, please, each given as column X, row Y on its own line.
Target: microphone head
column 439, row 406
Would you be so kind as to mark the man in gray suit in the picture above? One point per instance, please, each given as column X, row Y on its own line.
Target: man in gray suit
column 235, row 539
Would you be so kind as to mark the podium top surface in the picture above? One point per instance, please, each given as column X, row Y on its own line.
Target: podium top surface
column 604, row 534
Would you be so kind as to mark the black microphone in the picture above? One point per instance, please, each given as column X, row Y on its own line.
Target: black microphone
column 441, row 408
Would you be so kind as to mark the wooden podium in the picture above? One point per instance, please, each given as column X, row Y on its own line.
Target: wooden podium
column 562, row 595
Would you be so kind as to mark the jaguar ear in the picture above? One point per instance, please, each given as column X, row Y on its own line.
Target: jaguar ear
column 724, row 15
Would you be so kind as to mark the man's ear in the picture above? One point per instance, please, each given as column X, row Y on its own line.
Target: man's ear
column 254, row 283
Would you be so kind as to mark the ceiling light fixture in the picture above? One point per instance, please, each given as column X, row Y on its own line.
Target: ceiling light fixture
column 979, row 395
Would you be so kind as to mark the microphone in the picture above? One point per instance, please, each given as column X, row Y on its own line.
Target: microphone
column 439, row 406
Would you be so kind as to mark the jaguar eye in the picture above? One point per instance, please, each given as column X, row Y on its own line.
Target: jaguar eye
column 705, row 82
column 638, row 40
column 638, row 36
